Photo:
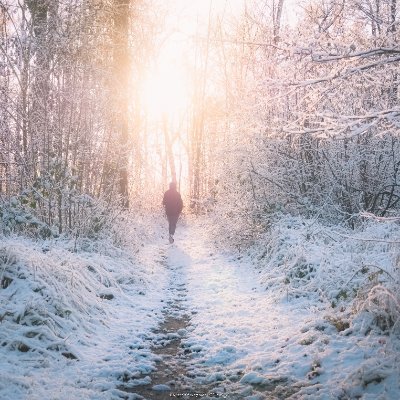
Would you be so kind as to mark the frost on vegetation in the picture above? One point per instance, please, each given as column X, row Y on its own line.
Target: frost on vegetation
column 74, row 215
column 17, row 216
column 347, row 273
column 370, row 372
column 52, row 295
column 46, row 300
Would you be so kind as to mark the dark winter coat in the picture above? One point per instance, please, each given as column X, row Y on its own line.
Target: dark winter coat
column 172, row 202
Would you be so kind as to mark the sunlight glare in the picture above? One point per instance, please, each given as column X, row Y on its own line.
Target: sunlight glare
column 165, row 92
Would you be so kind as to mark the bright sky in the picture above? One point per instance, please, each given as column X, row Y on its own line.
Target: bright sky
column 166, row 91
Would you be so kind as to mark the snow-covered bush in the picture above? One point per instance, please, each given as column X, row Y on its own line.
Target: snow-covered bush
column 51, row 288
column 17, row 216
column 50, row 206
column 45, row 294
column 353, row 275
column 382, row 303
column 91, row 219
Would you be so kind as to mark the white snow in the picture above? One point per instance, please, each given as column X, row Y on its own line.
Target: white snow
column 249, row 325
column 161, row 388
column 263, row 322
column 54, row 306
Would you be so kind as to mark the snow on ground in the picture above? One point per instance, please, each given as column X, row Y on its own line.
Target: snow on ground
column 76, row 325
column 252, row 338
column 292, row 318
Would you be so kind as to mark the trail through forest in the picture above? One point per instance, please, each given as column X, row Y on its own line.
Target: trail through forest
column 186, row 321
column 218, row 330
column 224, row 337
column 278, row 122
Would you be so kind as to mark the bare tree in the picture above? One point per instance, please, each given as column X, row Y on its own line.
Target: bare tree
column 121, row 79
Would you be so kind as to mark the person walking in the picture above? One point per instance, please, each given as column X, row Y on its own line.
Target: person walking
column 173, row 205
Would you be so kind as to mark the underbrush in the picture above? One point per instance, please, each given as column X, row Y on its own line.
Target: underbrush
column 57, row 290
column 353, row 275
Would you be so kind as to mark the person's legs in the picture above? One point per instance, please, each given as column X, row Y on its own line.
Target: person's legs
column 172, row 220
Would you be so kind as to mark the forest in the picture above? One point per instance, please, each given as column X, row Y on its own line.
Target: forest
column 305, row 115
column 279, row 120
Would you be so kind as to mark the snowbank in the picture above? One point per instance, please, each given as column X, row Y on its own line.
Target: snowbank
column 75, row 325
column 346, row 272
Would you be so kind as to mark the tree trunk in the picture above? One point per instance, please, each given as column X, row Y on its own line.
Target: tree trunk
column 277, row 20
column 170, row 153
column 121, row 87
column 393, row 8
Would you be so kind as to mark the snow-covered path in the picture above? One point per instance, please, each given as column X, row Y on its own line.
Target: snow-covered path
column 244, row 345
column 235, row 332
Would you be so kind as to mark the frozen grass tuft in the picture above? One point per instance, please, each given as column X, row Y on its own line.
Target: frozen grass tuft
column 344, row 272
column 71, row 302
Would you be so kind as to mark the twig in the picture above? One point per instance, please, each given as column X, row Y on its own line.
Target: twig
column 369, row 265
column 367, row 239
column 375, row 217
